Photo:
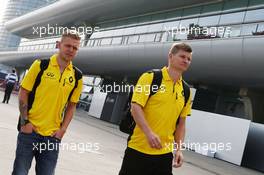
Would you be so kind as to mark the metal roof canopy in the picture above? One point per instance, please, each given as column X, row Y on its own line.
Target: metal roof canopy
column 69, row 13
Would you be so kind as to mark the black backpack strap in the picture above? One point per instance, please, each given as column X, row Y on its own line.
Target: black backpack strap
column 186, row 91
column 186, row 94
column 157, row 79
column 77, row 76
column 128, row 124
column 43, row 66
column 44, row 63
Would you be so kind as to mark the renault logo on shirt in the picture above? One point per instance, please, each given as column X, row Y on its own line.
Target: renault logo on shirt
column 50, row 74
column 71, row 79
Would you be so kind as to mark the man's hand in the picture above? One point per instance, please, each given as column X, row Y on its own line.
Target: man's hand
column 178, row 159
column 59, row 133
column 154, row 140
column 27, row 128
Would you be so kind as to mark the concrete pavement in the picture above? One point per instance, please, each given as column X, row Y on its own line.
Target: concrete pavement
column 95, row 147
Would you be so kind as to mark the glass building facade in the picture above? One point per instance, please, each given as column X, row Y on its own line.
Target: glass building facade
column 16, row 8
column 218, row 20
column 225, row 19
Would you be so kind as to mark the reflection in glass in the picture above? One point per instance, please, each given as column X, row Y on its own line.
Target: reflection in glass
column 169, row 26
column 158, row 37
column 155, row 27
column 116, row 40
column 147, row 38
column 187, row 22
column 232, row 31
column 212, row 8
column 106, row 41
column 248, row 29
column 254, row 15
column 132, row 39
column 192, row 11
column 141, row 29
column 235, row 4
column 129, row 31
column 96, row 42
column 209, row 20
column 260, row 29
column 164, row 36
column 232, row 18
column 201, row 32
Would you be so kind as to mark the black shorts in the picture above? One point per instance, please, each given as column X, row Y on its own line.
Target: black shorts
column 137, row 163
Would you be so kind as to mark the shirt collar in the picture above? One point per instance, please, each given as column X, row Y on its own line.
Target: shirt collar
column 54, row 62
column 166, row 75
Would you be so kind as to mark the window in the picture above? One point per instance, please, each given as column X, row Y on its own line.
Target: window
column 254, row 15
column 158, row 37
column 156, row 17
column 96, row 42
column 142, row 38
column 170, row 36
column 143, row 19
column 37, row 47
column 169, row 26
column 108, row 33
column 106, row 41
column 124, row 40
column 40, row 47
column 100, row 34
column 116, row 40
column 192, row 11
column 248, row 29
column 164, row 36
column 174, row 14
column 187, row 22
column 260, row 27
column 147, row 38
column 212, row 8
column 83, row 43
column 221, row 31
column 132, row 21
column 132, row 39
column 235, row 4
column 141, row 29
column 45, row 45
column 118, row 32
column 90, row 42
column 107, row 25
column 51, row 46
column 209, row 20
column 155, row 27
column 121, row 23
column 255, row 2
column 129, row 31
column 96, row 35
column 181, row 35
column 232, row 18
column 232, row 31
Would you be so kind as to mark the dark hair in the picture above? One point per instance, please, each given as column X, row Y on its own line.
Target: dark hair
column 180, row 46
column 14, row 70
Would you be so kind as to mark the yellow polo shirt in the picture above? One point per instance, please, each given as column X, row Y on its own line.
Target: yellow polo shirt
column 161, row 112
column 51, row 95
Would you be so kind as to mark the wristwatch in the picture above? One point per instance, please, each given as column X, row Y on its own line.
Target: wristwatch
column 23, row 121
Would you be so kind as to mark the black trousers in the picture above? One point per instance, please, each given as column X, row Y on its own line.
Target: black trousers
column 8, row 91
column 137, row 163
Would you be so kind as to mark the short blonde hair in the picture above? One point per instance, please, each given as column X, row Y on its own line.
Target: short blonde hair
column 180, row 46
column 71, row 34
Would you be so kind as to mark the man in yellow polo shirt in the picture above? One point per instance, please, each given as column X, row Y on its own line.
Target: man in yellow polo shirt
column 44, row 121
column 151, row 145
